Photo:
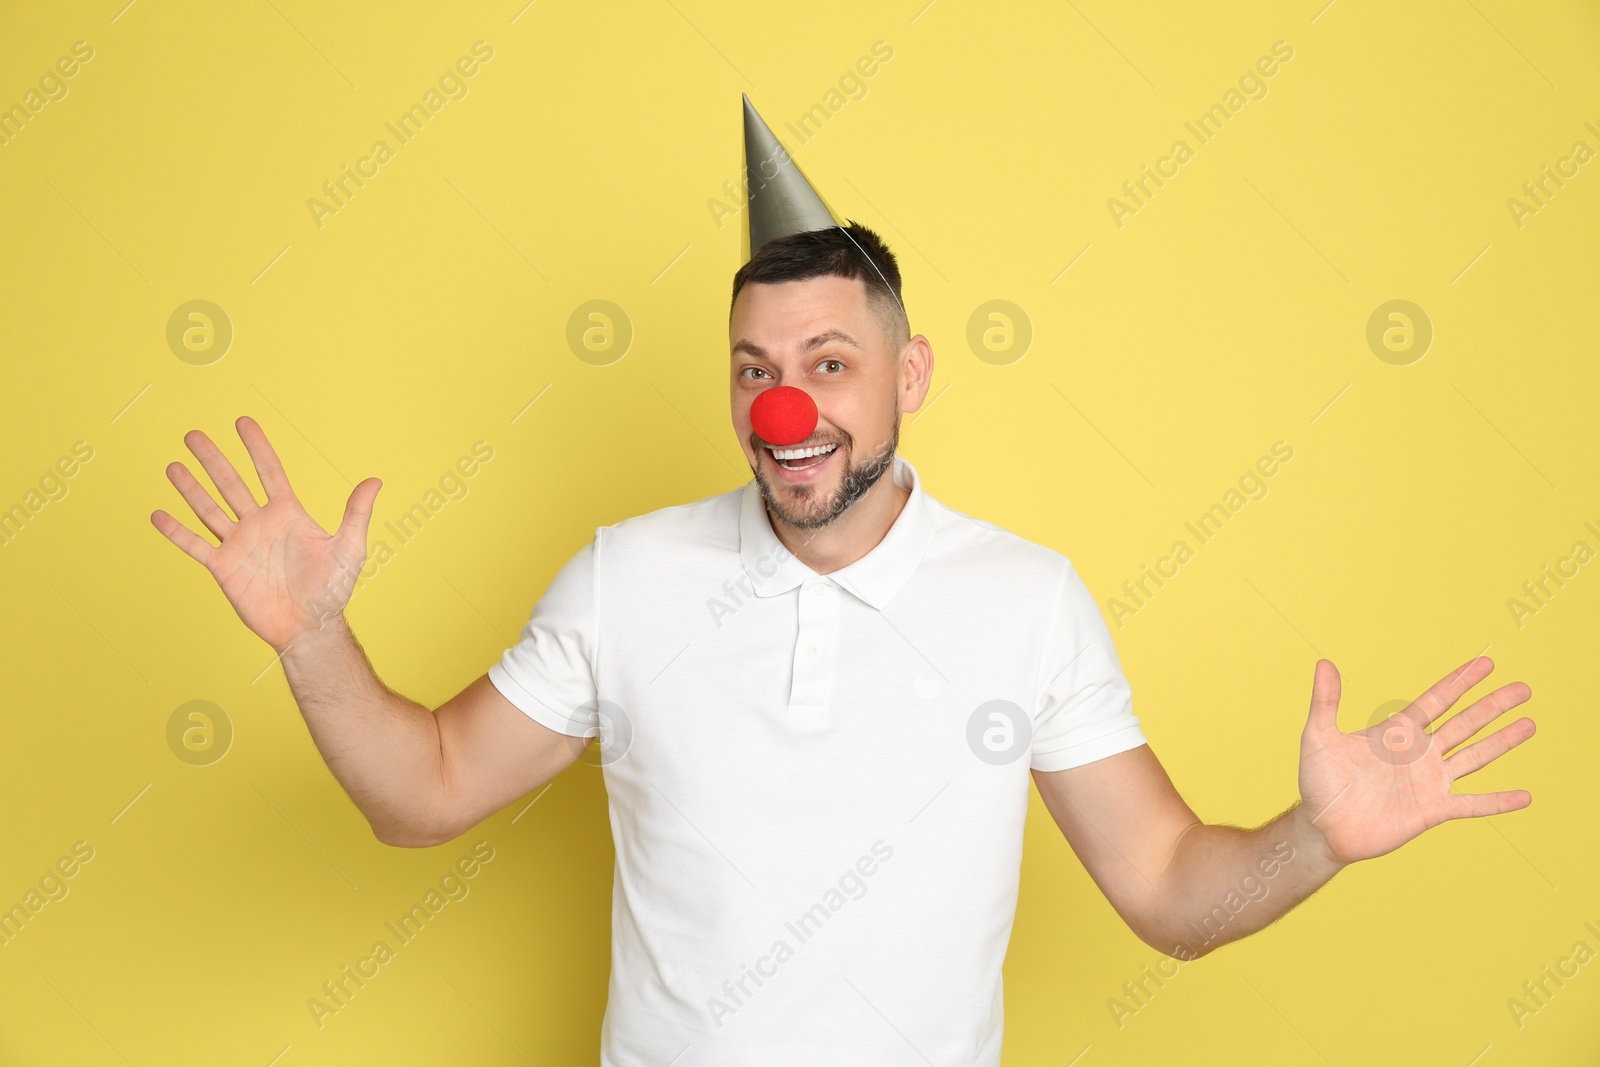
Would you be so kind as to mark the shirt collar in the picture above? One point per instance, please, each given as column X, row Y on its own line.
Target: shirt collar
column 875, row 578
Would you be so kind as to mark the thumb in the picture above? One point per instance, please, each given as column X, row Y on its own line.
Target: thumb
column 357, row 515
column 1324, row 717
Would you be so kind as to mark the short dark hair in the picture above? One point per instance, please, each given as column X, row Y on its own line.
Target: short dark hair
column 851, row 251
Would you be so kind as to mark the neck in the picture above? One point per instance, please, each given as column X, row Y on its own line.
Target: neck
column 850, row 536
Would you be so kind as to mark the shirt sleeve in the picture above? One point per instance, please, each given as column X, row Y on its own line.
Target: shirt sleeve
column 549, row 674
column 1085, row 705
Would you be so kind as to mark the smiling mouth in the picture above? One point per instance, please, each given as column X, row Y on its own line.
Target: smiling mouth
column 801, row 459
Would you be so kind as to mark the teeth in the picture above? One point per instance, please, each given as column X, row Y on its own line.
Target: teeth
column 800, row 453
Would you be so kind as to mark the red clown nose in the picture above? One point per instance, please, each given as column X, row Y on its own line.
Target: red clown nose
column 783, row 415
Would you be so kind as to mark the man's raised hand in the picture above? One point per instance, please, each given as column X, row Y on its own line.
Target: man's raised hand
column 1371, row 791
column 282, row 573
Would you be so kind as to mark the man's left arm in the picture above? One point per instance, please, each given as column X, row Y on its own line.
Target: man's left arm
column 1186, row 887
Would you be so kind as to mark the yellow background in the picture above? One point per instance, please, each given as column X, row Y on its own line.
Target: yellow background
column 1229, row 313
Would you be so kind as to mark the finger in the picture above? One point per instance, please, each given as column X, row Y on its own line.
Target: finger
column 262, row 454
column 219, row 522
column 183, row 537
column 1447, row 690
column 1473, row 805
column 357, row 514
column 1491, row 748
column 1325, row 686
column 1483, row 711
column 227, row 480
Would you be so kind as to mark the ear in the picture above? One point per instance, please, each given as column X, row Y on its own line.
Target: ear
column 916, row 372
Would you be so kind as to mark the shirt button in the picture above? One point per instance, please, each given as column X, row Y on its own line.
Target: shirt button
column 814, row 650
column 819, row 588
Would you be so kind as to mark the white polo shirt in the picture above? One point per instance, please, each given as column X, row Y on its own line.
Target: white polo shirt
column 817, row 783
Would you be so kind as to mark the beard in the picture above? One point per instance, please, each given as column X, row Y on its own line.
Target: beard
column 811, row 507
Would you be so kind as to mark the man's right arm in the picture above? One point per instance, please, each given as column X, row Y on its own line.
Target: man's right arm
column 420, row 777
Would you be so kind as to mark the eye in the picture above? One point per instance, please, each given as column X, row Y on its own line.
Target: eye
column 841, row 364
column 756, row 369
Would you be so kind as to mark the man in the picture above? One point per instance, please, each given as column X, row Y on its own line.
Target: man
column 819, row 698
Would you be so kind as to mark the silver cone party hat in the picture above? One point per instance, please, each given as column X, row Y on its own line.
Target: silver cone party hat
column 781, row 200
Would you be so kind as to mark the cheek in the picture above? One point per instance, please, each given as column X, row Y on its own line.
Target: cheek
column 865, row 420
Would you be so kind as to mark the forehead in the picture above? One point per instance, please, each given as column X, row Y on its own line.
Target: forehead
column 783, row 315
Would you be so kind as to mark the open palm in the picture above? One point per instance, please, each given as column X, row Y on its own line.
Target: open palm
column 1373, row 790
column 282, row 572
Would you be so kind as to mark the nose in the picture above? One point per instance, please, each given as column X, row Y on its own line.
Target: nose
column 783, row 415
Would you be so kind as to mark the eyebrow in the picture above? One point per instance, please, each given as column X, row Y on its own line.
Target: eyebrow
column 825, row 337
